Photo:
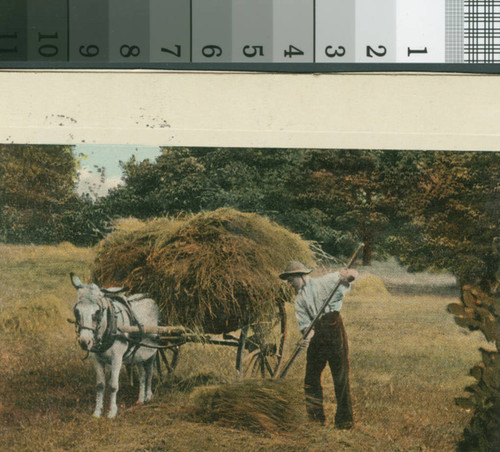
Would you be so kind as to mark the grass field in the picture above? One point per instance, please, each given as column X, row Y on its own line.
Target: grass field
column 408, row 361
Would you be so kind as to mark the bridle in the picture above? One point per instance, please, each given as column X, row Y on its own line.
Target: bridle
column 111, row 332
column 106, row 340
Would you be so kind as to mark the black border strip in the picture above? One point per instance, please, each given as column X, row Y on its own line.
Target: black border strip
column 293, row 68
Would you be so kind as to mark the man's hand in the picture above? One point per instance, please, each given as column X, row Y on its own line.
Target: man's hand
column 348, row 275
column 306, row 340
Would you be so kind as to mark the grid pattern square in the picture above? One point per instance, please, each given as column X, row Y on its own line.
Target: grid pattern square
column 482, row 31
column 454, row 39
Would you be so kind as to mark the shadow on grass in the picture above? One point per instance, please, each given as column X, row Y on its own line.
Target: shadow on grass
column 396, row 289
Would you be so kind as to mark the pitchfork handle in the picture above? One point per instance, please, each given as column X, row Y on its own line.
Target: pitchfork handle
column 318, row 315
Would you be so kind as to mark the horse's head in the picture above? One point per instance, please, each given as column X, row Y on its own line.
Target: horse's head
column 89, row 311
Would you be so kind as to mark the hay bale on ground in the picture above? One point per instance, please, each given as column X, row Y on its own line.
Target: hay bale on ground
column 368, row 285
column 269, row 406
column 215, row 271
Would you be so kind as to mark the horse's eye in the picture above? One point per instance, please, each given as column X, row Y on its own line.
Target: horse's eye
column 96, row 316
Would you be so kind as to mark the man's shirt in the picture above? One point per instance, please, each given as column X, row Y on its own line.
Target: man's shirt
column 312, row 296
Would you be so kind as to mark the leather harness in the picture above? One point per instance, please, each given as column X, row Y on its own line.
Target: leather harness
column 111, row 332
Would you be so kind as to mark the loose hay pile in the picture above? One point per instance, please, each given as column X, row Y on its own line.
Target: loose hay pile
column 369, row 285
column 36, row 315
column 215, row 271
column 270, row 406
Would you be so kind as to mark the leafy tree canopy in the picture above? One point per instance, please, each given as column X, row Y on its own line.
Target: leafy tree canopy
column 453, row 210
column 432, row 209
column 192, row 180
column 38, row 203
column 36, row 182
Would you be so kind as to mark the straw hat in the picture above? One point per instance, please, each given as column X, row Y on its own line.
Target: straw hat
column 295, row 268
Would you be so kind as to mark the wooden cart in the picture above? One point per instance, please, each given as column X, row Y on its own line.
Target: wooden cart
column 259, row 346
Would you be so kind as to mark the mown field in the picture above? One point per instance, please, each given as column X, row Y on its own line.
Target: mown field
column 408, row 358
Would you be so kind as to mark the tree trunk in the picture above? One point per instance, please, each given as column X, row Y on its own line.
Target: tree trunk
column 368, row 232
column 368, row 249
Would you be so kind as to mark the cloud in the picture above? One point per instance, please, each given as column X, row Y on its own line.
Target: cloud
column 91, row 181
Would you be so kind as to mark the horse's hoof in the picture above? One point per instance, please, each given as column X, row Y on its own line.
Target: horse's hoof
column 96, row 415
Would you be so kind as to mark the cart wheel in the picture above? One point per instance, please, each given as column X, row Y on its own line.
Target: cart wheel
column 260, row 347
column 168, row 358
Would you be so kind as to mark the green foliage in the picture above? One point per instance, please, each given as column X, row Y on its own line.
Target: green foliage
column 84, row 221
column 350, row 196
column 452, row 211
column 335, row 197
column 38, row 203
column 35, row 184
column 192, row 180
column 453, row 208
column 480, row 311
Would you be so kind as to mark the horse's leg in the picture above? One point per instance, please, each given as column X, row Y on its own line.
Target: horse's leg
column 116, row 364
column 149, row 365
column 142, row 383
column 100, row 385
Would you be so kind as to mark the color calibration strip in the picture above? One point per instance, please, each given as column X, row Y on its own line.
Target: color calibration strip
column 141, row 33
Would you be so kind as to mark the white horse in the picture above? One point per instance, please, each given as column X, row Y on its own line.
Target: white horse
column 99, row 314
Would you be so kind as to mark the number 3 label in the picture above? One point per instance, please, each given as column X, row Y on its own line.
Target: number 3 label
column 340, row 52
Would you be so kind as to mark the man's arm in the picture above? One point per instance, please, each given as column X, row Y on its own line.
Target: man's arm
column 348, row 275
column 303, row 318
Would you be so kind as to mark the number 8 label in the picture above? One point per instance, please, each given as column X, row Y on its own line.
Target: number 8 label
column 127, row 51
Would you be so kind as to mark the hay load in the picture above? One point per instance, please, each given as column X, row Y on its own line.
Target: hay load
column 214, row 271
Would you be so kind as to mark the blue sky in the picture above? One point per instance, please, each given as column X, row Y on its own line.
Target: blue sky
column 109, row 157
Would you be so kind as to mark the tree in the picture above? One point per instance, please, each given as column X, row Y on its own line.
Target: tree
column 348, row 196
column 36, row 182
column 38, row 202
column 191, row 180
column 454, row 205
column 334, row 197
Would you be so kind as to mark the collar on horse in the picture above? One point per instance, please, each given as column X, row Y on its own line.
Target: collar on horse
column 136, row 342
column 111, row 332
column 109, row 335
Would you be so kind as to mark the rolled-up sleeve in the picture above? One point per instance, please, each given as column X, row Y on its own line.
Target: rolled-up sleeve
column 303, row 317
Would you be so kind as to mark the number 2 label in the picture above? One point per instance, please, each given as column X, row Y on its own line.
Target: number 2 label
column 371, row 52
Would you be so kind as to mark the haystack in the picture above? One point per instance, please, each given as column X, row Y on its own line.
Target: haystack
column 256, row 405
column 213, row 271
column 369, row 285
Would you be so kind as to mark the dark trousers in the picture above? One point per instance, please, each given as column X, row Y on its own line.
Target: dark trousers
column 328, row 345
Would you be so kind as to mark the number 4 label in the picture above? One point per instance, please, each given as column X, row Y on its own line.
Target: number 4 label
column 293, row 51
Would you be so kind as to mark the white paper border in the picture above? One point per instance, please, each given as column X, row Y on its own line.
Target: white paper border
column 360, row 111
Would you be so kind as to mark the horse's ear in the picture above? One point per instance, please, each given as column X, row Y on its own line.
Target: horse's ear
column 75, row 280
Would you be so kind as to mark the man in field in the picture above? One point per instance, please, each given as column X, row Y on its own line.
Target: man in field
column 327, row 341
